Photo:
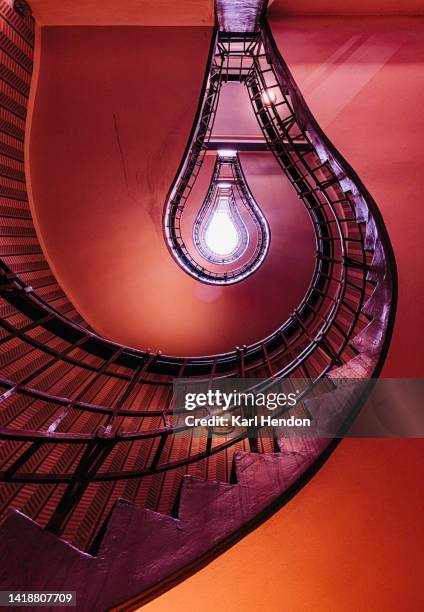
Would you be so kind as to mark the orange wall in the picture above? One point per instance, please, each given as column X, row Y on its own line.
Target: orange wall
column 124, row 12
column 111, row 118
column 352, row 538
column 350, row 541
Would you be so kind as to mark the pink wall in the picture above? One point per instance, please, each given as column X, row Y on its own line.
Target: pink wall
column 362, row 80
column 279, row 8
column 112, row 114
column 240, row 123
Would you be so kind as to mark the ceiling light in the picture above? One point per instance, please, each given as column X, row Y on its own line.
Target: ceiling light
column 221, row 234
column 226, row 153
column 268, row 97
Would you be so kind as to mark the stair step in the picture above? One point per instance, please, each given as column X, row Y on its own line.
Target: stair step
column 140, row 547
column 378, row 267
column 35, row 558
column 371, row 234
column 378, row 304
column 370, row 338
column 330, row 410
column 360, row 366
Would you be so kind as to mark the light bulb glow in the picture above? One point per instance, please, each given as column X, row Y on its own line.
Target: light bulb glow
column 226, row 153
column 228, row 222
column 269, row 97
column 221, row 236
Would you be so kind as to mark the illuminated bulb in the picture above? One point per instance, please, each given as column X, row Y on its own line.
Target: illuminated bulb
column 224, row 185
column 226, row 153
column 269, row 97
column 221, row 236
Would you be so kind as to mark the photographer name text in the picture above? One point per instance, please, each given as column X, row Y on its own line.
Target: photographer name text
column 240, row 421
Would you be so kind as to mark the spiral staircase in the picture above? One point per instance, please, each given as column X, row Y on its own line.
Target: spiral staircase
column 101, row 492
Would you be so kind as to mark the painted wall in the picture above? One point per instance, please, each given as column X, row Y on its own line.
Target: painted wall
column 198, row 12
column 350, row 541
column 129, row 12
column 352, row 538
column 296, row 8
column 361, row 80
column 111, row 118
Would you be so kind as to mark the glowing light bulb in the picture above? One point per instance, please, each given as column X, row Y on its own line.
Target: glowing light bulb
column 220, row 233
column 269, row 97
column 221, row 236
column 226, row 153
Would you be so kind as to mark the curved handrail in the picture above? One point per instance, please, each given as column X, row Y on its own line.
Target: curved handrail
column 316, row 339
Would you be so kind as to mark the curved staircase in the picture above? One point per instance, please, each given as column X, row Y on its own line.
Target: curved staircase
column 100, row 493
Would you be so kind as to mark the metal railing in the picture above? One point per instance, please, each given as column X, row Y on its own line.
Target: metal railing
column 84, row 420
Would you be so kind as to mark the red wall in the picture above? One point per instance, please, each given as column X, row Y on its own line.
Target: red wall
column 111, row 118
column 119, row 12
